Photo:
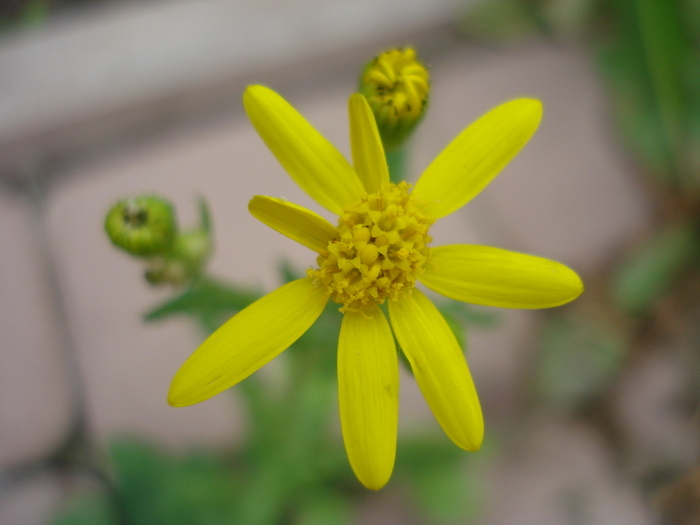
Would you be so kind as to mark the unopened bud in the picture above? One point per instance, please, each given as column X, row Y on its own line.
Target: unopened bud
column 396, row 85
column 185, row 260
column 143, row 226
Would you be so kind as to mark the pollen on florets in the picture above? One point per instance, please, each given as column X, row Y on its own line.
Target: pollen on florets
column 381, row 250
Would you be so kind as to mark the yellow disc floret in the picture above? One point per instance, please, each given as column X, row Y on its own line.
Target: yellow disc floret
column 383, row 247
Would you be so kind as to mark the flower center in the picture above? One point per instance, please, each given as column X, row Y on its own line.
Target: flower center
column 383, row 247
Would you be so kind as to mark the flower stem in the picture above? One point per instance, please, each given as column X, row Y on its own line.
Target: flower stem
column 397, row 165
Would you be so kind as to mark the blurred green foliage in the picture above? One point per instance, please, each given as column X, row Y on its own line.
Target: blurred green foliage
column 654, row 266
column 291, row 468
column 647, row 62
column 648, row 57
column 580, row 358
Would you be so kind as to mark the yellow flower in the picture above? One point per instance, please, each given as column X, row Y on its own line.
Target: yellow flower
column 378, row 251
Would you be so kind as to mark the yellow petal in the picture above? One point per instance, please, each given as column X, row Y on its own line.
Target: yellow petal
column 367, row 150
column 439, row 366
column 368, row 394
column 477, row 155
column 294, row 221
column 495, row 277
column 313, row 162
column 249, row 340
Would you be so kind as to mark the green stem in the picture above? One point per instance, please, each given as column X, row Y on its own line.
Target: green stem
column 397, row 165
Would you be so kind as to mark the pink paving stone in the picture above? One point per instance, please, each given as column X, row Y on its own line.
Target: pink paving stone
column 559, row 473
column 34, row 401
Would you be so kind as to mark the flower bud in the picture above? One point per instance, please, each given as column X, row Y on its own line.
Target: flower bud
column 143, row 226
column 185, row 260
column 396, row 85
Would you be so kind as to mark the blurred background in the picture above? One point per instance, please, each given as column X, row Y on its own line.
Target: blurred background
column 591, row 409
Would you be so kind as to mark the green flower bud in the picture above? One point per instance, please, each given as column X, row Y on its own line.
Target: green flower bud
column 186, row 259
column 193, row 248
column 396, row 85
column 143, row 226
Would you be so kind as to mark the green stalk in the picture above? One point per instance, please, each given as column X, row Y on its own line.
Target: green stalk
column 397, row 165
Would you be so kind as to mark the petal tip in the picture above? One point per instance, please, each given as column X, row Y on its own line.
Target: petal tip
column 531, row 107
column 374, row 482
column 184, row 391
column 254, row 94
column 253, row 203
column 356, row 98
column 471, row 441
column 175, row 397
column 579, row 287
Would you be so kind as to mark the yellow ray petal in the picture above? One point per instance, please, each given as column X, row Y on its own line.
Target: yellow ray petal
column 313, row 162
column 495, row 277
column 477, row 155
column 439, row 367
column 247, row 341
column 368, row 394
column 294, row 221
column 367, row 150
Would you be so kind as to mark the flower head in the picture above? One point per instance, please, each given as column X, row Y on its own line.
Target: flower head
column 396, row 85
column 376, row 254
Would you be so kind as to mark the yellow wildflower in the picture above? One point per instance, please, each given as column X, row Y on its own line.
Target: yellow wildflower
column 378, row 251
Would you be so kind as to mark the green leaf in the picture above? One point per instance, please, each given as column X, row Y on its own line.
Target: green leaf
column 654, row 267
column 288, row 271
column 35, row 12
column 324, row 508
column 482, row 316
column 208, row 300
column 503, row 20
column 569, row 18
column 579, row 359
column 86, row 509
column 445, row 481
column 158, row 489
column 645, row 67
column 204, row 215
